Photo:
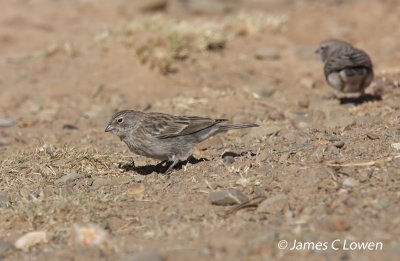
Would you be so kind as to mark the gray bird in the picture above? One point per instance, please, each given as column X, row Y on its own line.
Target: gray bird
column 347, row 69
column 165, row 137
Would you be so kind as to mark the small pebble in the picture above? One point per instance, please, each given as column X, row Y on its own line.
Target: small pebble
column 5, row 248
column 267, row 54
column 30, row 239
column 229, row 159
column 226, row 197
column 350, row 182
column 68, row 178
column 136, row 190
column 69, row 127
column 338, row 144
column 395, row 146
column 274, row 205
column 91, row 235
column 7, row 122
column 372, row 136
column 4, row 199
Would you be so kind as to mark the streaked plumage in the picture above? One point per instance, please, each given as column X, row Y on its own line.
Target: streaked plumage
column 347, row 69
column 165, row 137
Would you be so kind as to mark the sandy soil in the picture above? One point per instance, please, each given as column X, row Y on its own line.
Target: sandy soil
column 318, row 169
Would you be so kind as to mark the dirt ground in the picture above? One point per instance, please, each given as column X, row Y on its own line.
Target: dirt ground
column 318, row 169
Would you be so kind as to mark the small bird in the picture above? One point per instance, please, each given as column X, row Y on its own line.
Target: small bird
column 346, row 68
column 163, row 136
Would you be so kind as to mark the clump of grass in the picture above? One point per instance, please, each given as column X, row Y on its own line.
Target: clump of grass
column 57, row 213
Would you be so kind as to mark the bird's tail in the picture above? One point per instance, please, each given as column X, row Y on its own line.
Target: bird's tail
column 223, row 128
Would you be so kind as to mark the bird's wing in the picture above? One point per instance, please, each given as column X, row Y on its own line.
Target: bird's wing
column 348, row 57
column 167, row 126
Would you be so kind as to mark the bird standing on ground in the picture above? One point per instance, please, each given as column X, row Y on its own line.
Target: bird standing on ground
column 165, row 137
column 346, row 68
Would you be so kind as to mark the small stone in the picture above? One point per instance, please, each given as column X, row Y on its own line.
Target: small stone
column 350, row 182
column 3, row 142
column 91, row 235
column 372, row 136
column 227, row 197
column 338, row 144
column 69, row 178
column 265, row 130
column 338, row 223
column 69, row 127
column 148, row 255
column 153, row 5
column 276, row 116
column 307, row 82
column 284, row 157
column 274, row 205
column 47, row 148
column 7, row 122
column 5, row 247
column 395, row 146
column 136, row 190
column 267, row 54
column 229, row 159
column 4, row 199
column 30, row 239
column 304, row 103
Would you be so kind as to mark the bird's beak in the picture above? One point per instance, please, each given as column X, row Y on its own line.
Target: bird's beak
column 109, row 128
column 318, row 51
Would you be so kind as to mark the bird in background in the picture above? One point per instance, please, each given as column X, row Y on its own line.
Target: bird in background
column 165, row 137
column 346, row 68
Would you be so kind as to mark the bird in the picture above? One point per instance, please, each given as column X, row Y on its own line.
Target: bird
column 346, row 68
column 165, row 137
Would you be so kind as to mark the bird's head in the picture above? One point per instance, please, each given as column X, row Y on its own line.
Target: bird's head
column 121, row 122
column 327, row 47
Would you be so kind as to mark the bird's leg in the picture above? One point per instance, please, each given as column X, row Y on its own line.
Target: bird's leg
column 173, row 163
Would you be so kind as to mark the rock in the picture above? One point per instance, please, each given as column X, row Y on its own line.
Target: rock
column 350, row 182
column 372, row 136
column 228, row 159
column 274, row 205
column 153, row 5
column 148, row 255
column 276, row 116
column 284, row 157
column 338, row 144
column 305, row 103
column 225, row 197
column 3, row 142
column 267, row 54
column 307, row 82
column 69, row 127
column 4, row 199
column 48, row 148
column 205, row 6
column 264, row 90
column 7, row 122
column 68, row 178
column 339, row 118
column 92, row 235
column 395, row 146
column 30, row 239
column 136, row 190
column 5, row 248
column 338, row 223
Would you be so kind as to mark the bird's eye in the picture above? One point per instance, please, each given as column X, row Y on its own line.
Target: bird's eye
column 120, row 120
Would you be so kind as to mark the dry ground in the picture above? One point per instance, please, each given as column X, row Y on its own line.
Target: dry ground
column 66, row 66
